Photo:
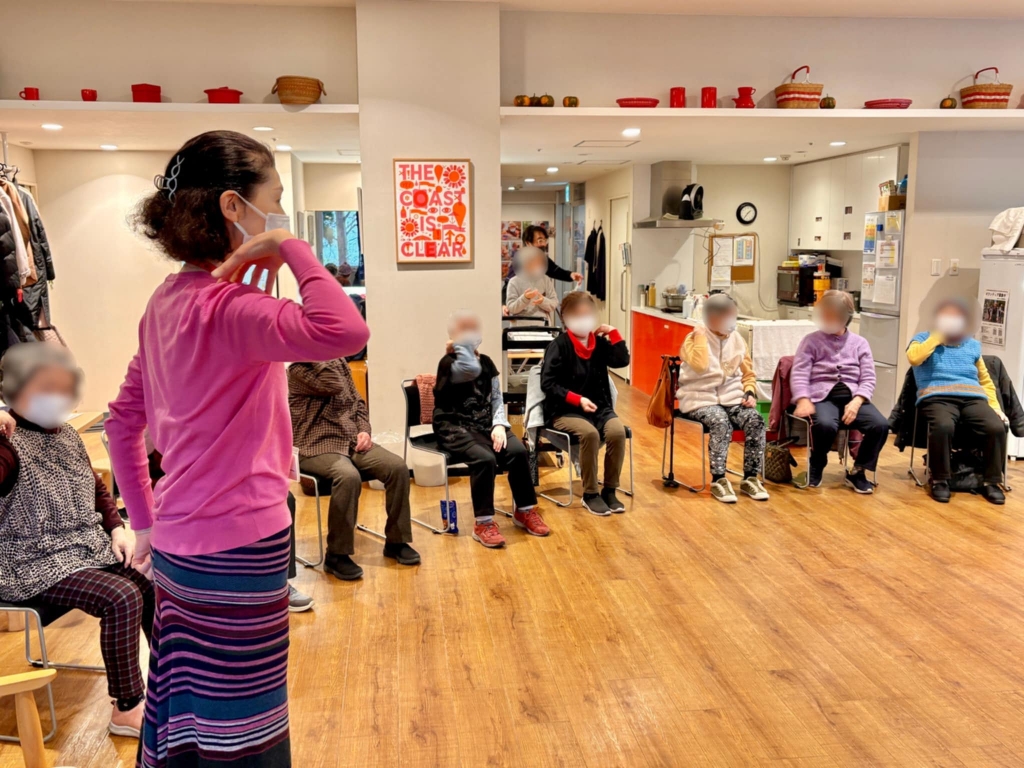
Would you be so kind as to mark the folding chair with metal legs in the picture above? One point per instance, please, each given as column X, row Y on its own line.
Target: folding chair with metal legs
column 43, row 662
column 321, row 483
column 319, row 522
column 669, row 480
column 844, row 451
column 927, row 473
column 563, row 443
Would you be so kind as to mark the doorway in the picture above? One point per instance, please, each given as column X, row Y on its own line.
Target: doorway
column 619, row 286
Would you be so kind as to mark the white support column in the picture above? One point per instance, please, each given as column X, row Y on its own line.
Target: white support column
column 429, row 87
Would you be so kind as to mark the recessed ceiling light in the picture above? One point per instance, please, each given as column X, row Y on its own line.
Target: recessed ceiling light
column 837, row 143
column 511, row 189
column 770, row 159
column 108, row 147
column 631, row 133
column 284, row 147
column 52, row 127
column 262, row 128
column 553, row 169
column 529, row 181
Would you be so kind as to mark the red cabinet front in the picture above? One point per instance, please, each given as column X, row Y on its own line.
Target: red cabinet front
column 652, row 338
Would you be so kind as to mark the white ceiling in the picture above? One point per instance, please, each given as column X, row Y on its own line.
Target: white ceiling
column 927, row 9
column 531, row 141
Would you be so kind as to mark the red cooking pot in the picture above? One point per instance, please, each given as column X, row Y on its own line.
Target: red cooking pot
column 224, row 95
column 145, row 92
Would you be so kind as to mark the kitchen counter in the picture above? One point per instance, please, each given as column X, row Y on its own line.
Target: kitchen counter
column 676, row 317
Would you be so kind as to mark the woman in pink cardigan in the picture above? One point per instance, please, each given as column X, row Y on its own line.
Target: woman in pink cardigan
column 209, row 382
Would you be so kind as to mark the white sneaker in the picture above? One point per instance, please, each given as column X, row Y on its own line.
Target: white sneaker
column 753, row 488
column 722, row 491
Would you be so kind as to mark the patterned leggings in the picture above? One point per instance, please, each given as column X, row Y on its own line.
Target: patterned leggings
column 721, row 420
column 123, row 600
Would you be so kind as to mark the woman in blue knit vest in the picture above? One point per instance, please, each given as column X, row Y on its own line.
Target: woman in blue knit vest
column 954, row 388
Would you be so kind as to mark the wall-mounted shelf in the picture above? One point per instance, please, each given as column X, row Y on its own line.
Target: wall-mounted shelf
column 177, row 107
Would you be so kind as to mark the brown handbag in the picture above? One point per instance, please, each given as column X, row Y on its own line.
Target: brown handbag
column 659, row 410
column 779, row 462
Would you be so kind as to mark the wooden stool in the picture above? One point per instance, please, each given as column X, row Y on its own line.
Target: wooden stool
column 30, row 731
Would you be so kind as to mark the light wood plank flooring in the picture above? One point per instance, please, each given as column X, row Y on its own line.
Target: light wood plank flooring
column 818, row 629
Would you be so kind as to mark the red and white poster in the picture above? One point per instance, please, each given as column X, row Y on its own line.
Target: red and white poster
column 433, row 211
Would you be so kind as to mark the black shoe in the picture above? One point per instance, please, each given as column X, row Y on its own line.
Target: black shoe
column 940, row 492
column 859, row 482
column 342, row 567
column 994, row 494
column 616, row 506
column 403, row 553
column 814, row 477
column 595, row 504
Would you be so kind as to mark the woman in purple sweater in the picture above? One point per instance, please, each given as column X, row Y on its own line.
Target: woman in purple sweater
column 833, row 379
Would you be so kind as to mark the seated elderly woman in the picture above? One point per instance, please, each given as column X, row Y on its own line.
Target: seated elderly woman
column 716, row 388
column 62, row 542
column 470, row 424
column 833, row 379
column 954, row 388
column 531, row 293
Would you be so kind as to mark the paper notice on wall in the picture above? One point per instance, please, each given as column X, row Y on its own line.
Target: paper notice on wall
column 743, row 252
column 870, row 233
column 892, row 222
column 885, row 289
column 888, row 254
column 721, row 275
column 723, row 250
column 993, row 317
column 867, row 283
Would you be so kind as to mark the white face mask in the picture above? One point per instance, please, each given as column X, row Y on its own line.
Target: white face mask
column 272, row 221
column 471, row 339
column 581, row 325
column 950, row 326
column 49, row 411
column 728, row 325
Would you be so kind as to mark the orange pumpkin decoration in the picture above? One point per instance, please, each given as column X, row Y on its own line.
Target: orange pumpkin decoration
column 948, row 103
column 547, row 100
column 521, row 101
column 570, row 101
column 827, row 103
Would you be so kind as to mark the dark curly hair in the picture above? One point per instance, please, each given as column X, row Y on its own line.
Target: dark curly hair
column 185, row 220
column 531, row 232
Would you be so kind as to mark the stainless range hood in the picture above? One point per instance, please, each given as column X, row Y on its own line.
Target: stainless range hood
column 676, row 223
column 668, row 179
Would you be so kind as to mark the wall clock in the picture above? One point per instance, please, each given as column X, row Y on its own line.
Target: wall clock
column 746, row 213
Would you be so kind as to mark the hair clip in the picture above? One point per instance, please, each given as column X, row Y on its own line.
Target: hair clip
column 169, row 184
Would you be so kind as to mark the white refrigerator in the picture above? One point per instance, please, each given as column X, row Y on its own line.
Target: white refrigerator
column 1001, row 296
column 881, row 285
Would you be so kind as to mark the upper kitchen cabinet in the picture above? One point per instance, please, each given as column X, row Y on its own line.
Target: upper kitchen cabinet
column 829, row 198
column 809, row 205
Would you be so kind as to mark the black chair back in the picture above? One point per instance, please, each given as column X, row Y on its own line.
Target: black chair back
column 412, row 404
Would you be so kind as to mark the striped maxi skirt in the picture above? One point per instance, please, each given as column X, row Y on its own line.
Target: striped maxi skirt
column 218, row 670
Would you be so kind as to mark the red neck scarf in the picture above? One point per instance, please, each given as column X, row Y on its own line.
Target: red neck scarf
column 584, row 351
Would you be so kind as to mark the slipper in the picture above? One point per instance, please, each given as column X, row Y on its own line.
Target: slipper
column 123, row 730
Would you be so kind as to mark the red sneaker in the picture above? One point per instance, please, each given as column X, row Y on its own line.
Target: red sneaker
column 489, row 535
column 531, row 522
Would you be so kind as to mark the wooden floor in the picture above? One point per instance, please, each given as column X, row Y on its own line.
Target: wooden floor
column 818, row 629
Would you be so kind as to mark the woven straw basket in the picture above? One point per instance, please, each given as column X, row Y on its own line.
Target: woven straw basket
column 987, row 95
column 291, row 89
column 794, row 95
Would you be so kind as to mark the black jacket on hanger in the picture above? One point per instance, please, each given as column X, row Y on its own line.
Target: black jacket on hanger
column 595, row 258
column 12, row 328
column 37, row 296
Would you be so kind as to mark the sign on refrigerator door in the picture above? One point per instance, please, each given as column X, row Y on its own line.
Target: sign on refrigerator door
column 993, row 317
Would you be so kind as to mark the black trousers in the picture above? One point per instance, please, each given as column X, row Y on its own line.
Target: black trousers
column 476, row 450
column 828, row 416
column 986, row 432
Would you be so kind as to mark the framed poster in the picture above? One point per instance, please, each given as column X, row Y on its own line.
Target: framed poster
column 433, row 211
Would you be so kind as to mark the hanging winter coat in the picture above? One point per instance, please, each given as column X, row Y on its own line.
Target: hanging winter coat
column 11, row 329
column 37, row 296
column 595, row 258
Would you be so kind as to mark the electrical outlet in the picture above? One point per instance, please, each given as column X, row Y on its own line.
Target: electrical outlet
column 936, row 267
column 954, row 267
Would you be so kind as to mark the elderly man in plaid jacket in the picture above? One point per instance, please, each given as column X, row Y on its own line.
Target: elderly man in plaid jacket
column 331, row 427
